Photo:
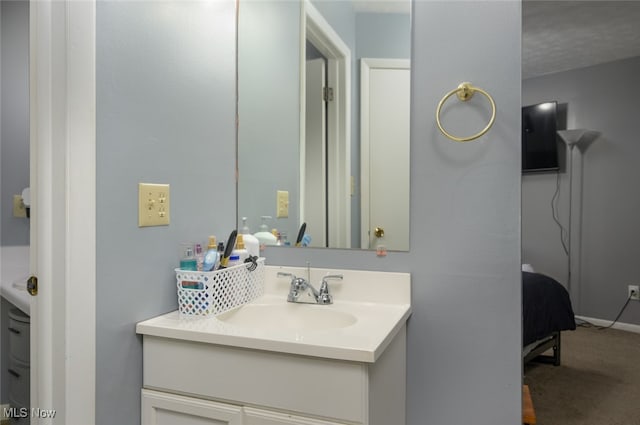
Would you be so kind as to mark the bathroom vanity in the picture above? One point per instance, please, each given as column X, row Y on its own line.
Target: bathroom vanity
column 15, row 327
column 272, row 362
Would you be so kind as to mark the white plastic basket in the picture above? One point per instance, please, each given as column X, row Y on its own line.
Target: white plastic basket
column 220, row 290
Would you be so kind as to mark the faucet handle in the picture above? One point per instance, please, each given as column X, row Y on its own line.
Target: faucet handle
column 330, row 277
column 324, row 297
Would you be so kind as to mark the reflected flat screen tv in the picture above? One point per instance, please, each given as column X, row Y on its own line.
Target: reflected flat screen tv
column 539, row 146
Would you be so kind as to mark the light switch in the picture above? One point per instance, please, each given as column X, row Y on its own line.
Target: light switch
column 19, row 209
column 153, row 204
column 283, row 204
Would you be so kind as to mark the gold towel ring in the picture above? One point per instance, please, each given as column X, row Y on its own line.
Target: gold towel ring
column 465, row 92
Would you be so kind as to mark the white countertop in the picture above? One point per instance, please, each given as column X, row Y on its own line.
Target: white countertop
column 14, row 272
column 380, row 301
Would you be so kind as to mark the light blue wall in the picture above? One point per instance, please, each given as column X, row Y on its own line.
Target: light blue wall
column 464, row 341
column 269, row 111
column 464, row 337
column 269, row 100
column 14, row 126
column 165, row 114
column 378, row 35
column 594, row 99
column 383, row 35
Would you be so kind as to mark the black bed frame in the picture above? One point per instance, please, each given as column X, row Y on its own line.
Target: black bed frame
column 537, row 356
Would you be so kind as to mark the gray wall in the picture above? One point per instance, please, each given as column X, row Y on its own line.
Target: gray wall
column 600, row 98
column 464, row 342
column 165, row 114
column 464, row 337
column 14, row 128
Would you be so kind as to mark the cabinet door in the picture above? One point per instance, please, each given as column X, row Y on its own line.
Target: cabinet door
column 266, row 417
column 160, row 408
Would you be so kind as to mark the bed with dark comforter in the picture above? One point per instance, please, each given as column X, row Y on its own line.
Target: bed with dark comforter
column 546, row 310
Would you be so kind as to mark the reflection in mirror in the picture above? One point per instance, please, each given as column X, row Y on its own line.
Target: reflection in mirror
column 323, row 107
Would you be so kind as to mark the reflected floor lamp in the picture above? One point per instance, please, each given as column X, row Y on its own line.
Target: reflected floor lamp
column 582, row 139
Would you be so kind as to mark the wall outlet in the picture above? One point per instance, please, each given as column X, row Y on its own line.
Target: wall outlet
column 153, row 205
column 19, row 209
column 634, row 292
column 282, row 210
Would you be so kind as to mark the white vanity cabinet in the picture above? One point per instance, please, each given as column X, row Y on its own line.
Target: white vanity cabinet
column 202, row 383
column 19, row 358
column 278, row 363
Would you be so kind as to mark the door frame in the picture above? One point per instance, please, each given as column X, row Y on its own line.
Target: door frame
column 317, row 30
column 63, row 221
column 366, row 66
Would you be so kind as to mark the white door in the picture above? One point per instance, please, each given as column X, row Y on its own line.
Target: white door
column 315, row 186
column 385, row 92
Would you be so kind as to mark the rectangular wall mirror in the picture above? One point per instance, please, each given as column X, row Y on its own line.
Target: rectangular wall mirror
column 323, row 121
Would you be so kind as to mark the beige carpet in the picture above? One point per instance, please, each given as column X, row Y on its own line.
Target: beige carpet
column 598, row 382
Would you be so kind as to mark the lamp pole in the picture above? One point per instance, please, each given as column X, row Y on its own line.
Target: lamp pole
column 583, row 139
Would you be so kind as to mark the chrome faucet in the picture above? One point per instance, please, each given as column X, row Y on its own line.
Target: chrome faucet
column 302, row 291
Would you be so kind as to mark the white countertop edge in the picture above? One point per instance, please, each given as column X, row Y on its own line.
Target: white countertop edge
column 17, row 297
column 367, row 354
column 14, row 272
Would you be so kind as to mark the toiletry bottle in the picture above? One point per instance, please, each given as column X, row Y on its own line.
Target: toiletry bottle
column 250, row 242
column 211, row 257
column 264, row 236
column 220, row 254
column 199, row 257
column 240, row 253
column 188, row 261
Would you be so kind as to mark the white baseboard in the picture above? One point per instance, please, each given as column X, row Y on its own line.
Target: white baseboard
column 629, row 327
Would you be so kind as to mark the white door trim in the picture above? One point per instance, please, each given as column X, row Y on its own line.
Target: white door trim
column 328, row 42
column 366, row 65
column 63, row 227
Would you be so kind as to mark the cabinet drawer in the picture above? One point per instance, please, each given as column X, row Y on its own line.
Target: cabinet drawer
column 260, row 378
column 161, row 408
column 19, row 377
column 19, row 325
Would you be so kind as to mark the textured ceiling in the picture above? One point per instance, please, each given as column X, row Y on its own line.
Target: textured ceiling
column 562, row 35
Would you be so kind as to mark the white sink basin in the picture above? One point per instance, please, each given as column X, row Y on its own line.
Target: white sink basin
column 288, row 316
column 368, row 310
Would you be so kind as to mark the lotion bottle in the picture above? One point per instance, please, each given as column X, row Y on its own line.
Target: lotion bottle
column 264, row 236
column 240, row 253
column 250, row 242
column 211, row 257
